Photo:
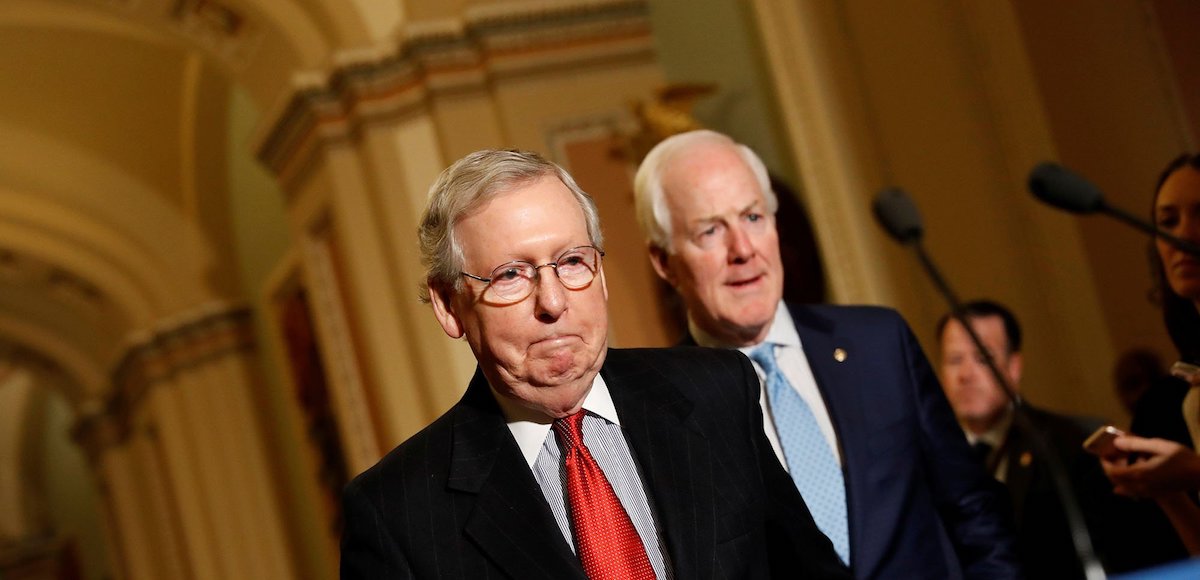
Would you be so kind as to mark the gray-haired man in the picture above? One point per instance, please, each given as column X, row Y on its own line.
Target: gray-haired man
column 567, row 459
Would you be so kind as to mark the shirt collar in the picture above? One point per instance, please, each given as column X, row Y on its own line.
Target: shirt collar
column 996, row 435
column 530, row 428
column 783, row 331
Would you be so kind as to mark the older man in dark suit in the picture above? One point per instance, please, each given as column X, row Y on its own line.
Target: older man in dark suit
column 566, row 459
column 852, row 406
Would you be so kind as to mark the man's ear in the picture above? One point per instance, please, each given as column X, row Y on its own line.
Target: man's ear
column 660, row 259
column 443, row 309
column 603, row 285
column 1016, row 364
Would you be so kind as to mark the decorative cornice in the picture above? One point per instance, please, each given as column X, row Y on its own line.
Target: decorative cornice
column 96, row 432
column 173, row 350
column 489, row 42
column 16, row 355
column 68, row 288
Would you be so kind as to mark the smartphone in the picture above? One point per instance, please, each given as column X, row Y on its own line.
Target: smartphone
column 1100, row 443
column 1184, row 370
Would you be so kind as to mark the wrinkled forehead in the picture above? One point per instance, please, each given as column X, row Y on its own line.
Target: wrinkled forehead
column 538, row 216
column 711, row 182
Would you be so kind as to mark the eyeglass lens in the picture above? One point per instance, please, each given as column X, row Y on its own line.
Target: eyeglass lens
column 575, row 268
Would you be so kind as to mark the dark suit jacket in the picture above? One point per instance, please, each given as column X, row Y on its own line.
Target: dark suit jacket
column 920, row 504
column 458, row 500
column 1159, row 413
column 1126, row 535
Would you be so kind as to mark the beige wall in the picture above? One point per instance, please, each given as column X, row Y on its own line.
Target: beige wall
column 1110, row 94
column 1177, row 19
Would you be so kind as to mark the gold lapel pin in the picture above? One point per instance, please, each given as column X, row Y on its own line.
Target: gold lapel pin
column 1026, row 459
column 839, row 354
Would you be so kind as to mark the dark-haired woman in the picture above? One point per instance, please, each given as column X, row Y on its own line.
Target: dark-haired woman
column 1168, row 416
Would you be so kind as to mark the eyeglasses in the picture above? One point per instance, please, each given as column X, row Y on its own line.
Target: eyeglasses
column 515, row 280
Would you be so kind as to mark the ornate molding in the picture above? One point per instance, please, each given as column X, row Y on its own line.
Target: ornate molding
column 490, row 42
column 17, row 355
column 68, row 288
column 97, row 431
column 222, row 28
column 185, row 344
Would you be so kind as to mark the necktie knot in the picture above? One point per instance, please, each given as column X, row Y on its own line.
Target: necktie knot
column 570, row 429
column 764, row 355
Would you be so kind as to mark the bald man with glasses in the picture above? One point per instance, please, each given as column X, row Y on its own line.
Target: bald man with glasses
column 565, row 458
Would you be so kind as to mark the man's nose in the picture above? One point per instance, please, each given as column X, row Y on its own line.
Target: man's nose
column 550, row 295
column 741, row 247
column 968, row 372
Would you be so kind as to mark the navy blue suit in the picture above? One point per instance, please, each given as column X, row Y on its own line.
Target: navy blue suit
column 918, row 500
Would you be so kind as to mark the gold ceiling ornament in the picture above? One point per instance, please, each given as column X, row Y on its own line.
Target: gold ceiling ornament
column 668, row 113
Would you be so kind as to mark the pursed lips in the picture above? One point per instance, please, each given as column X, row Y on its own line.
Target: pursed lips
column 555, row 340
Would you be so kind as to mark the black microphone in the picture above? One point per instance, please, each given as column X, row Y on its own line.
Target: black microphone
column 1067, row 190
column 1061, row 188
column 898, row 215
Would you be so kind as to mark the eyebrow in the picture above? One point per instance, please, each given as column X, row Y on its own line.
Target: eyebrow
column 715, row 218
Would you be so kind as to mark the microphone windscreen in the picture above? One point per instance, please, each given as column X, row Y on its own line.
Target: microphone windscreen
column 1062, row 188
column 897, row 213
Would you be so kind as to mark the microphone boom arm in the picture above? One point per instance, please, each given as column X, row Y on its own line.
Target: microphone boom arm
column 1157, row 233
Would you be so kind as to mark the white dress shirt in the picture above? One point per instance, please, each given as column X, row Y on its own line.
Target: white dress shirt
column 603, row 437
column 794, row 364
column 997, row 437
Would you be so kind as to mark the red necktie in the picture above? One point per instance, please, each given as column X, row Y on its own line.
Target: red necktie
column 607, row 542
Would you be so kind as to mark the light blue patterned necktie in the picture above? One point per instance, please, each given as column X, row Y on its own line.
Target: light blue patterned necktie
column 810, row 460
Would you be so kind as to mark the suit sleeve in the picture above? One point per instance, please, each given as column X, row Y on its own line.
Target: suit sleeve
column 796, row 547
column 368, row 550
column 972, row 511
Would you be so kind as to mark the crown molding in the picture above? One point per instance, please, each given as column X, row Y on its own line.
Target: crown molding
column 488, row 44
column 156, row 359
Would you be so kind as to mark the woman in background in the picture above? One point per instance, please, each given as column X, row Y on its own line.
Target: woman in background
column 1165, row 465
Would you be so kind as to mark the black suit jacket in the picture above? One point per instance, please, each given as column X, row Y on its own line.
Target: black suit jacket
column 1159, row 413
column 919, row 503
column 458, row 500
column 1043, row 536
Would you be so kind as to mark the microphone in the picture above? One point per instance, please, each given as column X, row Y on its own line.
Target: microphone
column 1062, row 188
column 898, row 215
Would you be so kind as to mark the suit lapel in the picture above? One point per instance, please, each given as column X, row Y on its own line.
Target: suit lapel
column 1020, row 469
column 673, row 456
column 510, row 521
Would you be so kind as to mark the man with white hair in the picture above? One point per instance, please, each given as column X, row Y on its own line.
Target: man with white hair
column 566, row 459
column 851, row 405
